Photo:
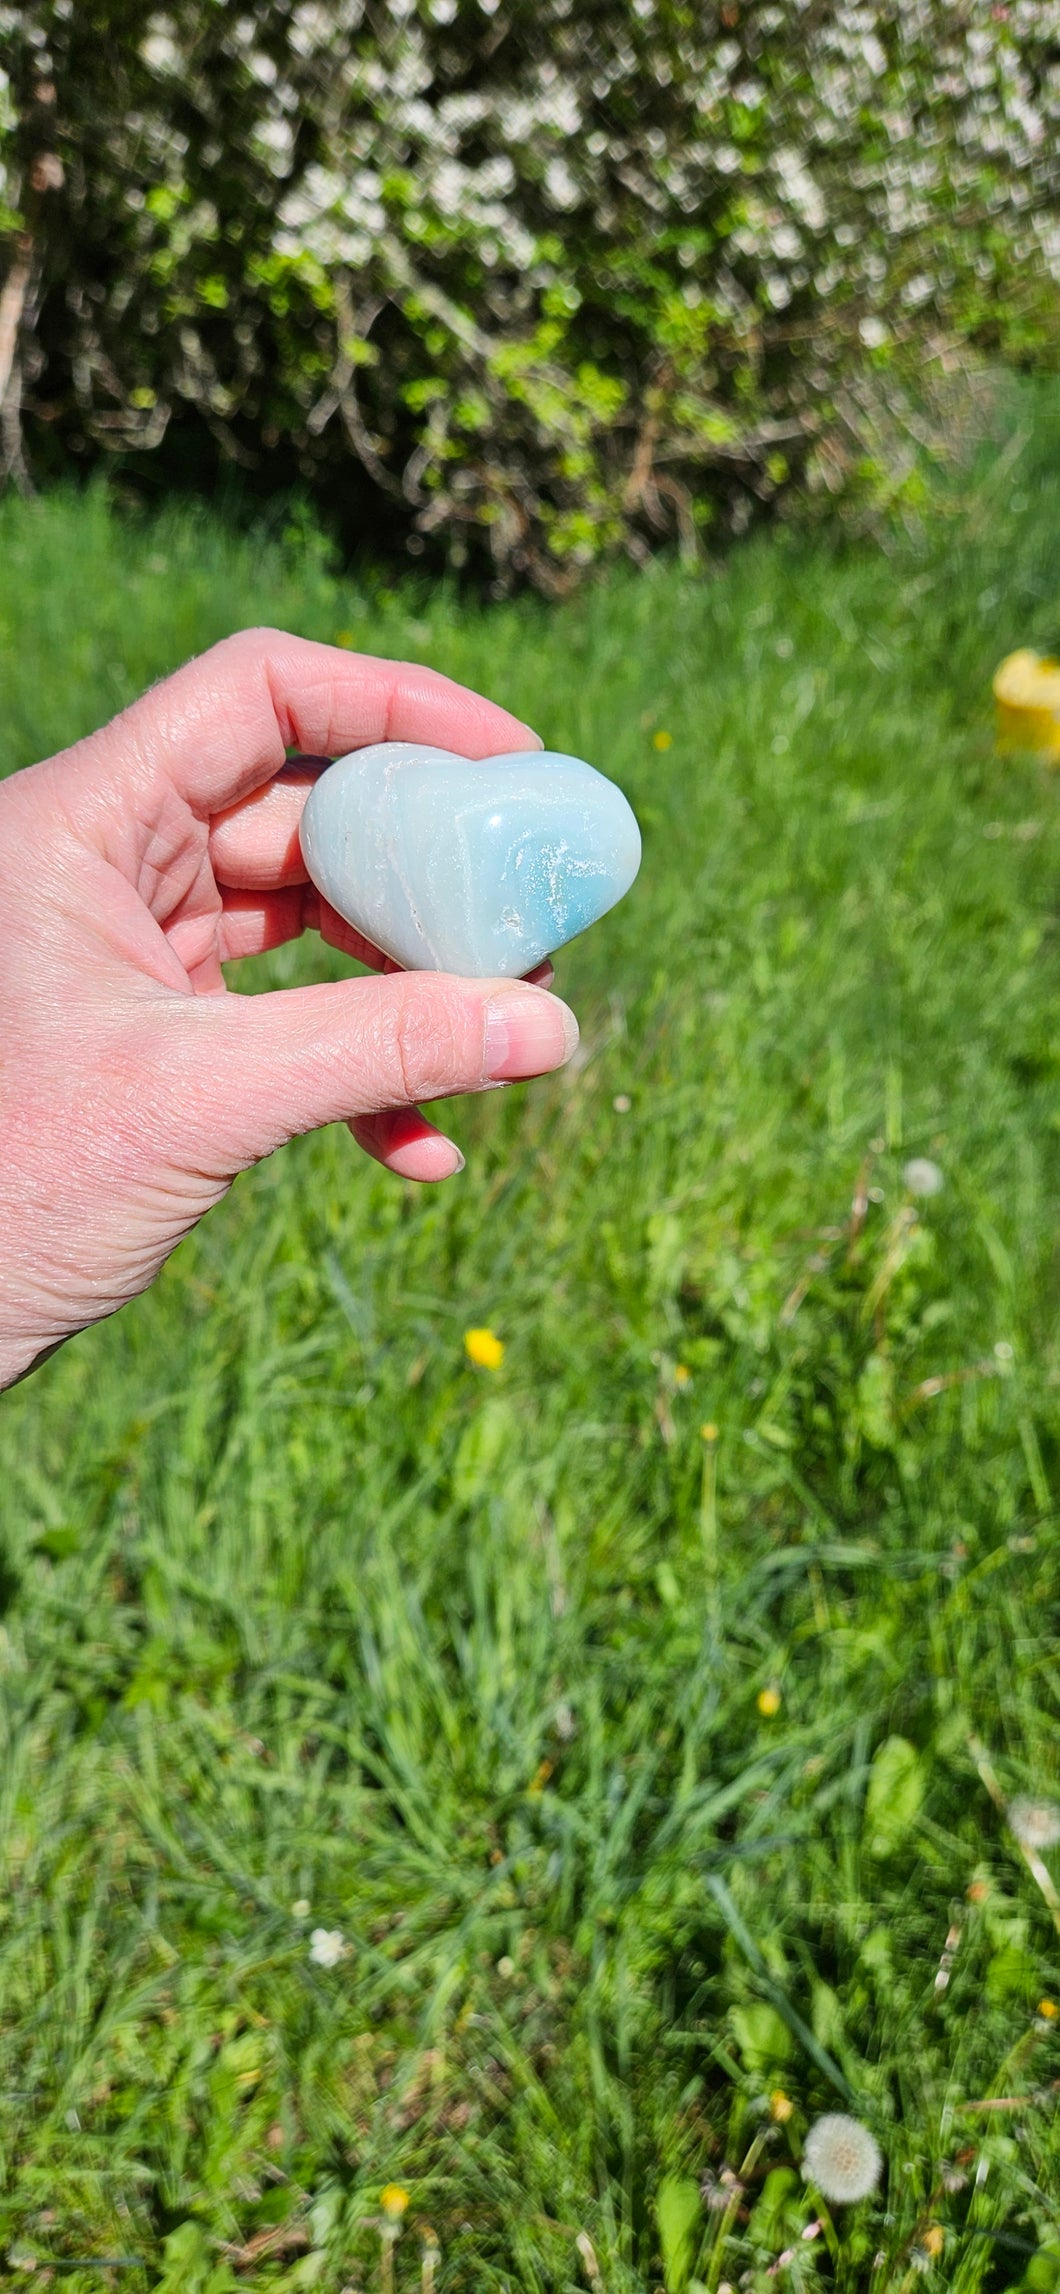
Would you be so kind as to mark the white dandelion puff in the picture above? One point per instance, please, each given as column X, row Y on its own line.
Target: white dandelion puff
column 327, row 1946
column 922, row 1176
column 841, row 2158
column 1034, row 1823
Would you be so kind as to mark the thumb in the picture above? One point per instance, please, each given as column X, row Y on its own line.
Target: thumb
column 267, row 1067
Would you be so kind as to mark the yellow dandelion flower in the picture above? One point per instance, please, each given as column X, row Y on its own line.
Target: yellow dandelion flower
column 682, row 1374
column 709, row 1432
column 662, row 740
column 934, row 2239
column 394, row 2201
column 484, row 1349
column 346, row 639
column 768, row 1701
column 780, row 2106
column 1048, row 2008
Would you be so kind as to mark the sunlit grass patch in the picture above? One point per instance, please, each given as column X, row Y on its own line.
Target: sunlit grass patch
column 533, row 1696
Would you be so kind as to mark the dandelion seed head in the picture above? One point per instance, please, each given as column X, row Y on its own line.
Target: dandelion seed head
column 1034, row 1823
column 841, row 2158
column 922, row 1176
column 714, row 2193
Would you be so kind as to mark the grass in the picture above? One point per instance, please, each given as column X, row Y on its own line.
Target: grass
column 633, row 1711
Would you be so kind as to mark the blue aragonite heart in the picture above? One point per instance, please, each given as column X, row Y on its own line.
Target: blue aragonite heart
column 481, row 869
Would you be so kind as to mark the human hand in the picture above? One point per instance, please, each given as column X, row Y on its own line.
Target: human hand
column 133, row 1086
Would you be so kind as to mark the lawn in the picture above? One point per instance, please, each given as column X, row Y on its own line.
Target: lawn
column 635, row 1721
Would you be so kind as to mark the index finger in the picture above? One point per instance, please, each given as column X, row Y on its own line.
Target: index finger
column 221, row 726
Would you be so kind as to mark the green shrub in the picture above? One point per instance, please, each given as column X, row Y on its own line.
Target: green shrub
column 538, row 278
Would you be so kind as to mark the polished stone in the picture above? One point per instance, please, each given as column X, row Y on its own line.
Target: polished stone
column 478, row 868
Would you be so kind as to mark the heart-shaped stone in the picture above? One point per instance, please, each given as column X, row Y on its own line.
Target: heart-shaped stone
column 478, row 868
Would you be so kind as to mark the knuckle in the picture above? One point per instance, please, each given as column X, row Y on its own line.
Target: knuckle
column 256, row 639
column 245, row 651
column 431, row 1039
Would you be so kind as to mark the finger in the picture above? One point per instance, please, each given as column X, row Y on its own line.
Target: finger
column 336, row 933
column 251, row 1071
column 254, row 844
column 403, row 1140
column 253, row 922
column 222, row 725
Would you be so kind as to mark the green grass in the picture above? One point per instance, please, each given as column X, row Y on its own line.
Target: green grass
column 302, row 1610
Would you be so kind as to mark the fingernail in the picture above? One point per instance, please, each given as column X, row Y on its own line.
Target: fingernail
column 527, row 1032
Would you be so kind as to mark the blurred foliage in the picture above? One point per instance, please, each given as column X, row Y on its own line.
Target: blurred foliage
column 530, row 280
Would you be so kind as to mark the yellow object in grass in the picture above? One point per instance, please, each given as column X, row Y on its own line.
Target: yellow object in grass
column 1027, row 693
column 484, row 1349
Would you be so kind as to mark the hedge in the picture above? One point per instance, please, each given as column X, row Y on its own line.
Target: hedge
column 529, row 281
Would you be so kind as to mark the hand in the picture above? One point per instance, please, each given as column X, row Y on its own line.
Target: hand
column 133, row 1086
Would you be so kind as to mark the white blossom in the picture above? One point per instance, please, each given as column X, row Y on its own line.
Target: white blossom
column 560, row 185
column 160, row 51
column 327, row 1946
